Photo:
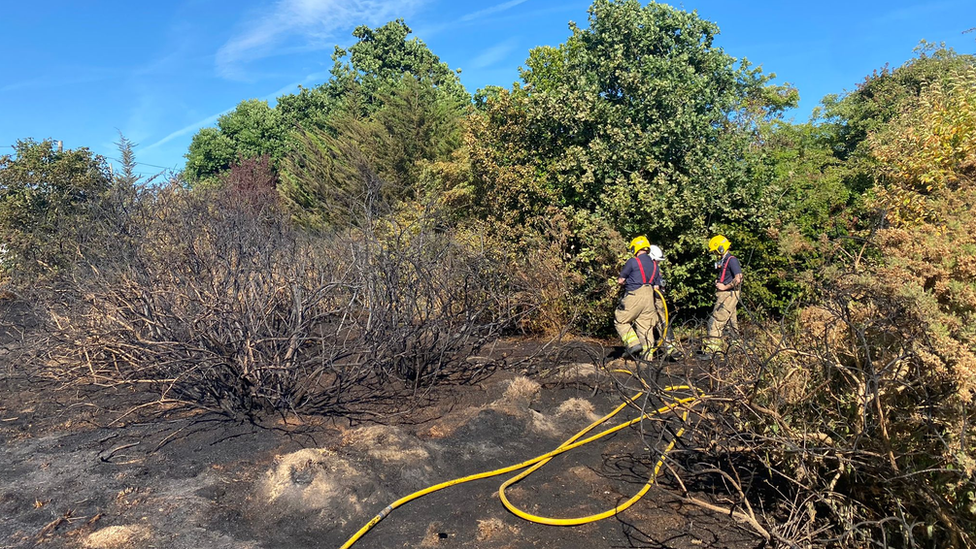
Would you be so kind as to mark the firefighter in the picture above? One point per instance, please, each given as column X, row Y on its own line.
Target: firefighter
column 727, row 286
column 637, row 314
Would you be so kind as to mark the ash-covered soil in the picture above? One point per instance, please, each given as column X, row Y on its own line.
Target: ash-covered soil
column 91, row 469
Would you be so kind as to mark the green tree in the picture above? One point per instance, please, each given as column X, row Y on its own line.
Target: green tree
column 636, row 124
column 824, row 174
column 251, row 130
column 364, row 77
column 46, row 196
column 386, row 155
column 310, row 107
column 814, row 211
column 383, row 56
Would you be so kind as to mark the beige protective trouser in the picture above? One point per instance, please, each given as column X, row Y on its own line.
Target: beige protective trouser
column 636, row 317
column 723, row 314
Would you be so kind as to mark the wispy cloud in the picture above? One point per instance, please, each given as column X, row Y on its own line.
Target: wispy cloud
column 187, row 129
column 195, row 126
column 304, row 25
column 144, row 114
column 482, row 16
column 494, row 54
column 492, row 10
column 290, row 88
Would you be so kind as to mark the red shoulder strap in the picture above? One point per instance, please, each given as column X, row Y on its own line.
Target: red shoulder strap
column 643, row 275
column 725, row 265
column 641, row 265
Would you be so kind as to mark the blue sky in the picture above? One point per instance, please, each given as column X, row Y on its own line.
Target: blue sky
column 82, row 72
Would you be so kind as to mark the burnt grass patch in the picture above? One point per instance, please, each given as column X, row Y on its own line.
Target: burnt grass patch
column 98, row 468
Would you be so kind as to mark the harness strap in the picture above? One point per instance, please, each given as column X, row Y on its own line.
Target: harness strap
column 725, row 265
column 644, row 275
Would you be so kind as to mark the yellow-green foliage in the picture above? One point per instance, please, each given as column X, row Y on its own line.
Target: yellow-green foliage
column 872, row 403
column 897, row 340
column 928, row 158
column 928, row 149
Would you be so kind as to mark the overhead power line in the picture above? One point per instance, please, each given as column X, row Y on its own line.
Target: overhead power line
column 154, row 166
column 145, row 164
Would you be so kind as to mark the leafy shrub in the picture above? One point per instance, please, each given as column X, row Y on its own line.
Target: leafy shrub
column 854, row 434
column 48, row 200
column 638, row 124
column 928, row 149
column 867, row 406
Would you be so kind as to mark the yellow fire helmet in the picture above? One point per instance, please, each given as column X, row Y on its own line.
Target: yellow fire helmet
column 638, row 244
column 719, row 244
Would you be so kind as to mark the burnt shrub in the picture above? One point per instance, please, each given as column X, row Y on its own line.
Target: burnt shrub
column 219, row 302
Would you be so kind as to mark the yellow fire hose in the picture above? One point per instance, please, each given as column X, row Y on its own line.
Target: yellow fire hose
column 539, row 461
column 569, row 444
column 573, row 442
column 667, row 322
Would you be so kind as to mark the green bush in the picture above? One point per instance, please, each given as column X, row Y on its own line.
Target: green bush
column 50, row 200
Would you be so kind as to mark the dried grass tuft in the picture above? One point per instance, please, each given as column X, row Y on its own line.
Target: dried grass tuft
column 119, row 537
column 521, row 391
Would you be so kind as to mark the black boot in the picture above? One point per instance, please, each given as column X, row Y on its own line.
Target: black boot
column 635, row 352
